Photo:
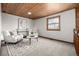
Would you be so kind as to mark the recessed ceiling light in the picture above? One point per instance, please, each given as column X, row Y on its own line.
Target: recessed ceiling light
column 29, row 13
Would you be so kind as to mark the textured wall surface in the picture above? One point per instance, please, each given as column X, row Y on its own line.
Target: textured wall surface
column 67, row 24
column 10, row 22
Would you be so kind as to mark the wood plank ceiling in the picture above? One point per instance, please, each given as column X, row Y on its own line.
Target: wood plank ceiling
column 37, row 9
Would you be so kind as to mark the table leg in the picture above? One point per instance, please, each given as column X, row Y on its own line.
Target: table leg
column 29, row 40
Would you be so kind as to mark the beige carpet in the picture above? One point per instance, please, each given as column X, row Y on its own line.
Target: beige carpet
column 44, row 47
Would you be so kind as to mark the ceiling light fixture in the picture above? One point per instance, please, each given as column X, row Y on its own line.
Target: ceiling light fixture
column 29, row 13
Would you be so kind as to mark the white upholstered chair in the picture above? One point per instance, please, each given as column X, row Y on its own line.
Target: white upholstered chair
column 11, row 38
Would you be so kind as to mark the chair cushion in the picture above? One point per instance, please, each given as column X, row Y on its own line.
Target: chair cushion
column 6, row 33
column 11, row 33
column 14, row 32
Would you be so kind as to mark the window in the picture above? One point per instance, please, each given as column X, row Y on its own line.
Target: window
column 53, row 23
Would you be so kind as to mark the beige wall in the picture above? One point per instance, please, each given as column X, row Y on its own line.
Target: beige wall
column 67, row 23
column 10, row 22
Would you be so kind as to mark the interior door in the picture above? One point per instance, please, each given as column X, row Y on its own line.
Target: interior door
column 76, row 42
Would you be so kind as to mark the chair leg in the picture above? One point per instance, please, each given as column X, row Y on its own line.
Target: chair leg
column 37, row 39
column 5, row 42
